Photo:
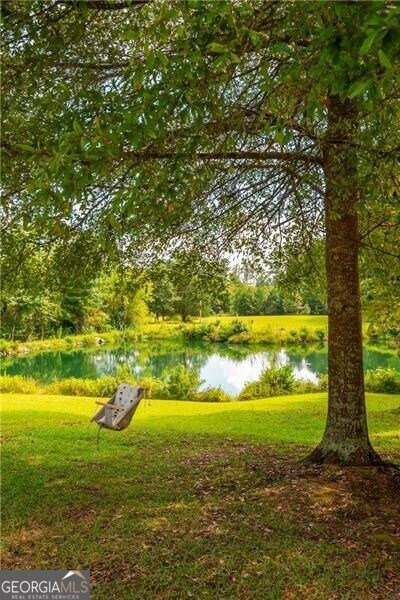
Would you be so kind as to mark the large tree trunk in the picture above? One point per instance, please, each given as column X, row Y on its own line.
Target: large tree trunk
column 346, row 438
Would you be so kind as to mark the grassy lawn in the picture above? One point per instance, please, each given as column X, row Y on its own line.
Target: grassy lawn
column 256, row 324
column 278, row 321
column 199, row 500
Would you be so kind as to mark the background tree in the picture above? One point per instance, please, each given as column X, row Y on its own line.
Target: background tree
column 200, row 283
column 163, row 299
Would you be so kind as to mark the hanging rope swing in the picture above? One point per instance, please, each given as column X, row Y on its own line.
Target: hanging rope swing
column 117, row 413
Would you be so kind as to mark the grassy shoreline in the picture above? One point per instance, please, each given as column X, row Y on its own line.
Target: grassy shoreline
column 266, row 330
column 185, row 385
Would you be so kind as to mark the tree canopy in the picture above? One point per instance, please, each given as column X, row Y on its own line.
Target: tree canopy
column 233, row 126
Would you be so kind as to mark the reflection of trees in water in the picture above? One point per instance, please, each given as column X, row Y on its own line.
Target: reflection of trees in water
column 190, row 357
column 53, row 365
column 374, row 358
column 317, row 361
column 157, row 356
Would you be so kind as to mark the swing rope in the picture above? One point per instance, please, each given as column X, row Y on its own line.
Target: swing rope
column 123, row 281
column 98, row 438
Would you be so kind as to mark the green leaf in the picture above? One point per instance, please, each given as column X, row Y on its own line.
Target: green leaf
column 26, row 147
column 162, row 58
column 234, row 57
column 129, row 34
column 76, row 127
column 151, row 133
column 83, row 7
column 256, row 37
column 358, row 88
column 369, row 40
column 220, row 62
column 218, row 48
column 384, row 60
column 279, row 135
column 114, row 223
column 287, row 137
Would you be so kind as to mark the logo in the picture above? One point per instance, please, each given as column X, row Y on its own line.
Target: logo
column 44, row 585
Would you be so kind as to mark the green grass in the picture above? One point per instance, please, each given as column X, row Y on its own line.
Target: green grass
column 198, row 500
column 277, row 322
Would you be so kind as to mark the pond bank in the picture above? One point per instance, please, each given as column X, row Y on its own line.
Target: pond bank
column 273, row 329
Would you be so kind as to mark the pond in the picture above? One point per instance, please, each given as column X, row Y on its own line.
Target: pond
column 227, row 366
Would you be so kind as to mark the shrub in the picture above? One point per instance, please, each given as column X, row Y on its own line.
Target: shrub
column 234, row 328
column 278, row 378
column 103, row 386
column 305, row 386
column 17, row 384
column 323, row 382
column 199, row 332
column 182, row 383
column 155, row 388
column 304, row 335
column 274, row 381
column 237, row 327
column 215, row 332
column 386, row 381
column 212, row 395
column 4, row 346
column 124, row 373
column 293, row 335
column 373, row 332
column 320, row 334
column 242, row 338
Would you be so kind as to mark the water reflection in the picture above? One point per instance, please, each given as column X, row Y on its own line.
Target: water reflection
column 220, row 365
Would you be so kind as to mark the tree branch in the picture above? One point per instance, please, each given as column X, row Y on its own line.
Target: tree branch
column 111, row 5
column 239, row 155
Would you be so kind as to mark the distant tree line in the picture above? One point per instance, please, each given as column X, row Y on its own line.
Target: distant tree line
column 40, row 301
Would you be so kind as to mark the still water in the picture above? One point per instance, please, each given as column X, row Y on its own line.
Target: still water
column 229, row 367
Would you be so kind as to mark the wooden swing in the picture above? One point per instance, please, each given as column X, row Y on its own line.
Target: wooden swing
column 117, row 413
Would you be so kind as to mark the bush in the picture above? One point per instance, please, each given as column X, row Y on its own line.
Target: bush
column 199, row 332
column 103, row 386
column 280, row 381
column 17, row 384
column 386, row 381
column 305, row 386
column 215, row 332
column 304, row 335
column 182, row 383
column 155, row 388
column 4, row 346
column 237, row 327
column 323, row 383
column 212, row 395
column 274, row 381
column 242, row 338
column 124, row 374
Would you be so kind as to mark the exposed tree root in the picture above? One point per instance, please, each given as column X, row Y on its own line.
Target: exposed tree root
column 359, row 458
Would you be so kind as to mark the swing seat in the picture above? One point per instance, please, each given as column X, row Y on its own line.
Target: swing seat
column 117, row 413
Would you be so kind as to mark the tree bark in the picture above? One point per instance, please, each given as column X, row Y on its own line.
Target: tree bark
column 345, row 439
